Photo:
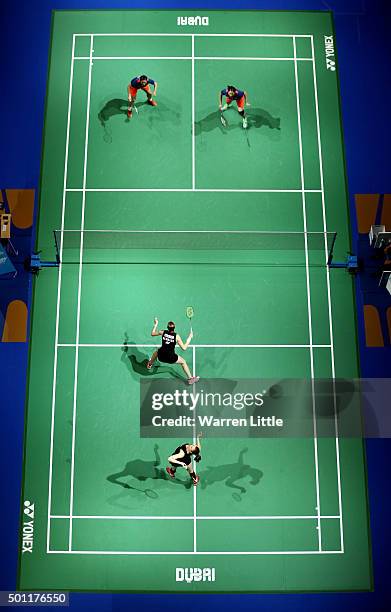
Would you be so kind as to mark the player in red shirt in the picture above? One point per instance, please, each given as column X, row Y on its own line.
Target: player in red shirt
column 141, row 82
column 234, row 94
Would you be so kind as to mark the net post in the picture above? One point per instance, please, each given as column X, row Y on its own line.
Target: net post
column 56, row 247
column 331, row 249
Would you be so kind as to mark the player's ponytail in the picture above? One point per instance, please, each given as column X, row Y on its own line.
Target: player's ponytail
column 197, row 458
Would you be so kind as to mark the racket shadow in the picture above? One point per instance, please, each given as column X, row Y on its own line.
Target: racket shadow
column 137, row 471
column 257, row 118
column 111, row 108
column 210, row 123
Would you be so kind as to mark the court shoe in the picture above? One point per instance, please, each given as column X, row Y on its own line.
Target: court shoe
column 170, row 471
column 196, row 480
column 149, row 365
column 130, row 112
column 224, row 108
column 192, row 380
column 152, row 102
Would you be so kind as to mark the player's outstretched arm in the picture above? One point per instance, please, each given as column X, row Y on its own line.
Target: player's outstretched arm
column 199, row 436
column 182, row 344
column 155, row 331
column 220, row 100
column 155, row 89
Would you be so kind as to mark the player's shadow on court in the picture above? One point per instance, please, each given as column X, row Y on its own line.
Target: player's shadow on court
column 299, row 401
column 161, row 115
column 136, row 361
column 138, row 470
column 116, row 106
column 235, row 475
column 257, row 118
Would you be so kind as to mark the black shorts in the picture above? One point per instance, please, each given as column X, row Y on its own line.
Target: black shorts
column 186, row 459
column 167, row 357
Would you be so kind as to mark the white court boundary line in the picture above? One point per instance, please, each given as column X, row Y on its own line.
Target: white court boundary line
column 84, row 190
column 198, row 553
column 309, row 306
column 328, row 297
column 202, row 34
column 125, row 190
column 194, row 488
column 75, row 386
column 198, row 346
column 193, row 143
column 209, row 231
column 198, row 58
column 58, row 298
column 191, row 518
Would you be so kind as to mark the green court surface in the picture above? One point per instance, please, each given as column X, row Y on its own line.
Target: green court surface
column 269, row 514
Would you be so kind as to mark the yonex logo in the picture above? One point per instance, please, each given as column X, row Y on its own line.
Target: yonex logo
column 28, row 528
column 29, row 509
column 330, row 53
column 192, row 21
column 195, row 574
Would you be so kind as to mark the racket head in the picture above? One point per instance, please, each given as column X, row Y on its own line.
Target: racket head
column 223, row 120
column 189, row 312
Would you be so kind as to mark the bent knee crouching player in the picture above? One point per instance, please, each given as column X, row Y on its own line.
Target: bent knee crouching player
column 167, row 354
column 182, row 457
column 142, row 82
column 233, row 94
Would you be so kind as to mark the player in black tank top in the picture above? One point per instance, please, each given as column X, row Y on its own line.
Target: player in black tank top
column 182, row 457
column 167, row 354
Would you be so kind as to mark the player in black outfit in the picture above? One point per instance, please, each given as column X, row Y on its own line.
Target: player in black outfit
column 182, row 457
column 167, row 354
